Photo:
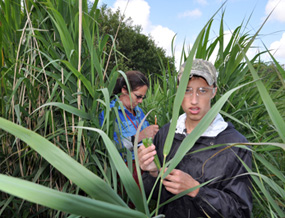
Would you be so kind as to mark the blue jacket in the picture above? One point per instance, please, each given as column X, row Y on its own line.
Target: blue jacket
column 128, row 127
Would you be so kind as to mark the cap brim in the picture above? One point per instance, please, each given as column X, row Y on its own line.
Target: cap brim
column 206, row 76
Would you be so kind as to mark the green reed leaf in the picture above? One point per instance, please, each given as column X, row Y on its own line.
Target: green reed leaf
column 69, row 203
column 85, row 179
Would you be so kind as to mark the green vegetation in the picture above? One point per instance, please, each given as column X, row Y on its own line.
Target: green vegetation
column 57, row 161
column 135, row 51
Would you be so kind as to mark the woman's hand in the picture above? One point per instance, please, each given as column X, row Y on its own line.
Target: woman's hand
column 149, row 132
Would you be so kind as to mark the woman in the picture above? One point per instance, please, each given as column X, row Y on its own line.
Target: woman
column 134, row 115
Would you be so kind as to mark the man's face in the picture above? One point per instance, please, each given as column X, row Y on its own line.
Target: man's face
column 197, row 99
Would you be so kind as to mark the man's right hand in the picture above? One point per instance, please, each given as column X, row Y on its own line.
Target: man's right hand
column 146, row 159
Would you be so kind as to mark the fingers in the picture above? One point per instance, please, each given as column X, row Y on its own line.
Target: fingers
column 145, row 154
column 151, row 130
column 172, row 182
column 146, row 157
column 174, row 175
column 178, row 181
column 171, row 186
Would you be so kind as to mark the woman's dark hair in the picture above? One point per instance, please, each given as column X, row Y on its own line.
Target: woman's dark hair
column 136, row 79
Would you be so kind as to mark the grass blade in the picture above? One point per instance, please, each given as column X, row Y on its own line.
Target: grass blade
column 85, row 179
column 125, row 175
column 69, row 203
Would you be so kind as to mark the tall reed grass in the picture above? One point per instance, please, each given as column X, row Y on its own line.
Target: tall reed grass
column 53, row 87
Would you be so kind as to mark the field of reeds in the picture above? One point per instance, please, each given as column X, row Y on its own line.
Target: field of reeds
column 57, row 161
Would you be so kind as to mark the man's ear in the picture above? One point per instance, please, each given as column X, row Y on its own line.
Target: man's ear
column 214, row 92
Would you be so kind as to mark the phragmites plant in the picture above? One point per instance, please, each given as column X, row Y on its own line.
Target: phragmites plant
column 57, row 161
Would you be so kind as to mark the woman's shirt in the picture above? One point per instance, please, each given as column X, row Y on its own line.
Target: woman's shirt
column 128, row 125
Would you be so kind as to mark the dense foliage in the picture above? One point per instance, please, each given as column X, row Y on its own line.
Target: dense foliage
column 55, row 82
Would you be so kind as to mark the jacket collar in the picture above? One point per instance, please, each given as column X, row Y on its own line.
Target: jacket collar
column 215, row 128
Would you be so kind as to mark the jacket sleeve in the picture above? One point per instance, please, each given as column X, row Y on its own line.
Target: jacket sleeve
column 232, row 198
column 148, row 182
column 101, row 118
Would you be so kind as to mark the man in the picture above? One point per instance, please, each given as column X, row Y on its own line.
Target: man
column 229, row 194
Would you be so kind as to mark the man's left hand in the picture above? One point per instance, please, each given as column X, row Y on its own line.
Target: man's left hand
column 178, row 181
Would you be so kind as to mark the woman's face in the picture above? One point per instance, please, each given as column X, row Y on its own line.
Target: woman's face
column 137, row 97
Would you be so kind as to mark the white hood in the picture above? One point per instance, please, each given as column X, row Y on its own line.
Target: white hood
column 216, row 127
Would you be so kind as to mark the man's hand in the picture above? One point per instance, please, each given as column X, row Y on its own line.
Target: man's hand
column 178, row 181
column 146, row 159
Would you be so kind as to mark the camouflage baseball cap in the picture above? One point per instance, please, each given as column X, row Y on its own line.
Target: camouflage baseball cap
column 201, row 68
